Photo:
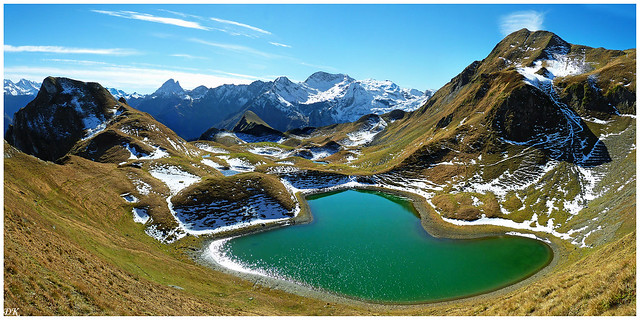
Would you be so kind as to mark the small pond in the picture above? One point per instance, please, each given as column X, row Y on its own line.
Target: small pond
column 370, row 246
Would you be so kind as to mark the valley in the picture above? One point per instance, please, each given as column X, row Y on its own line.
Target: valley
column 535, row 143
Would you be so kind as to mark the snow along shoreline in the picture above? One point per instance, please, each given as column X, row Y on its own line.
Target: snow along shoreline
column 215, row 255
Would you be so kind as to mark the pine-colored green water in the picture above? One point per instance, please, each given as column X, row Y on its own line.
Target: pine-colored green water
column 371, row 246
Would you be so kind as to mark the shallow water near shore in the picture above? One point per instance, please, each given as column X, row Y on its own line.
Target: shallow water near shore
column 370, row 246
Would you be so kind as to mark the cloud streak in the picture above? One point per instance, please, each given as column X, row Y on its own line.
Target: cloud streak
column 69, row 50
column 151, row 18
column 235, row 23
column 532, row 20
column 235, row 48
column 187, row 56
column 277, row 44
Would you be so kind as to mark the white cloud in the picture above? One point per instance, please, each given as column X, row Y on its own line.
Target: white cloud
column 68, row 50
column 73, row 61
column 234, row 23
column 235, row 48
column 151, row 18
column 187, row 56
column 277, row 44
column 532, row 20
column 127, row 78
column 238, row 75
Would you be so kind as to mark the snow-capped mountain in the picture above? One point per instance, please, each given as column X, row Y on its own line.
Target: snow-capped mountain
column 169, row 88
column 344, row 99
column 117, row 93
column 322, row 99
column 16, row 96
column 23, row 87
column 325, row 99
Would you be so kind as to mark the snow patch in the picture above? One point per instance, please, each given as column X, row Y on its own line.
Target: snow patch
column 138, row 155
column 128, row 197
column 175, row 178
column 208, row 148
column 140, row 215
column 142, row 187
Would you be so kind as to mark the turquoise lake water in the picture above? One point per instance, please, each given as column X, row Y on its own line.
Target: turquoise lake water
column 370, row 246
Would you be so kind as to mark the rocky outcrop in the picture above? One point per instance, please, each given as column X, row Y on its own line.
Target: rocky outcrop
column 64, row 112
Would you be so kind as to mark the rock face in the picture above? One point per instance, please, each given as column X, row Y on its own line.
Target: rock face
column 63, row 112
column 531, row 118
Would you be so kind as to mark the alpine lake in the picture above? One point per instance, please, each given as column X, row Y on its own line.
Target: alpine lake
column 370, row 245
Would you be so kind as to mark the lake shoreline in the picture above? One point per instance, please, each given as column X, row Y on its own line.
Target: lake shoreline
column 430, row 222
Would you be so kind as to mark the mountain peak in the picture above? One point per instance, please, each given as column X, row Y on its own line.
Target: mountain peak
column 252, row 125
column 523, row 48
column 282, row 80
column 323, row 80
column 170, row 87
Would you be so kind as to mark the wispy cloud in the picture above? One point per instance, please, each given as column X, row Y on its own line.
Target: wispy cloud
column 151, row 18
column 235, row 23
column 187, row 56
column 235, row 48
column 69, row 50
column 277, row 44
column 184, row 15
column 532, row 20
column 81, row 62
column 237, row 75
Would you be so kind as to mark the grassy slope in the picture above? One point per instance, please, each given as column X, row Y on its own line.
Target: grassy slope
column 71, row 248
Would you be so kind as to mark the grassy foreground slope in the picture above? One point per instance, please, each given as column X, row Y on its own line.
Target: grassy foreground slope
column 72, row 248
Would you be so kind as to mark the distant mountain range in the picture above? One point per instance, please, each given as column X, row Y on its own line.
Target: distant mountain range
column 322, row 99
column 21, row 88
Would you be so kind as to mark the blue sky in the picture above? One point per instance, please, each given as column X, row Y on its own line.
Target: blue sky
column 138, row 47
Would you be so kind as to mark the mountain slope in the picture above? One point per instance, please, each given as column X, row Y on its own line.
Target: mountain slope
column 501, row 101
